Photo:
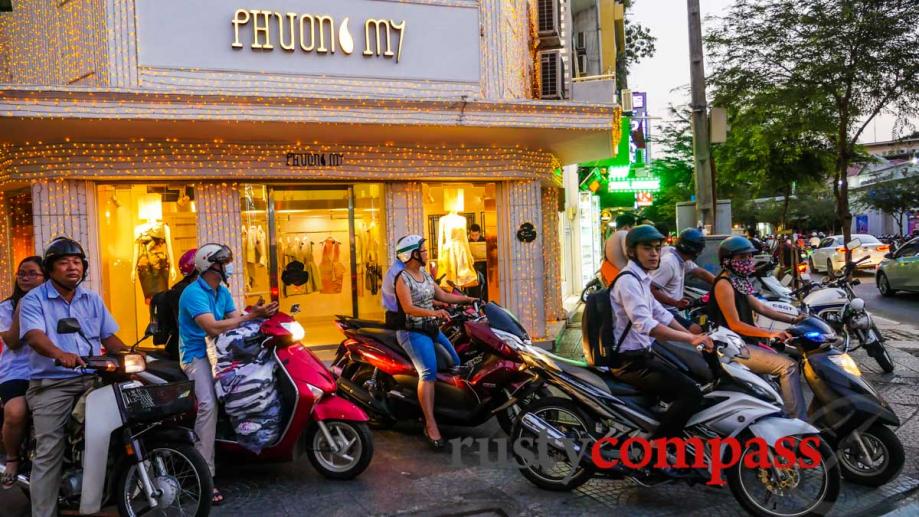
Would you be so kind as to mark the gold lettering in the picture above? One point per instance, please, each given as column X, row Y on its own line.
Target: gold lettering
column 401, row 28
column 290, row 18
column 376, row 26
column 263, row 29
column 237, row 21
column 320, row 21
column 312, row 44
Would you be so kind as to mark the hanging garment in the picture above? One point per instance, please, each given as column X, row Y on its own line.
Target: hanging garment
column 373, row 277
column 331, row 271
column 261, row 246
column 454, row 258
column 249, row 244
column 152, row 260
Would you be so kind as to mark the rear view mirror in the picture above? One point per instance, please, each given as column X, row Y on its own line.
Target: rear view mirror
column 854, row 244
column 68, row 326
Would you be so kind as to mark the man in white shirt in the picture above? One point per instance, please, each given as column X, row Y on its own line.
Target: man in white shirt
column 669, row 279
column 640, row 319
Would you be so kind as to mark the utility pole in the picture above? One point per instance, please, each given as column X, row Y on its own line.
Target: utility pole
column 705, row 195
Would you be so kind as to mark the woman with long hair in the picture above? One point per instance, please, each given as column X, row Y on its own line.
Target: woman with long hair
column 14, row 366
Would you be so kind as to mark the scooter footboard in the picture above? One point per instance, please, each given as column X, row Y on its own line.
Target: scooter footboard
column 333, row 407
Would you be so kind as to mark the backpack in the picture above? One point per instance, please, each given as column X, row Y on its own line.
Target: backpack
column 597, row 325
column 161, row 314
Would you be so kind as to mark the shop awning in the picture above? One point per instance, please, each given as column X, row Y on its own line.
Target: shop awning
column 573, row 132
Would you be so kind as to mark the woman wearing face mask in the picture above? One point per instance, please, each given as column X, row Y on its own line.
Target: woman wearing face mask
column 733, row 305
column 14, row 366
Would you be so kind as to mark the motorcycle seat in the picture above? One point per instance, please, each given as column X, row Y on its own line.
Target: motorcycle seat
column 168, row 370
column 686, row 358
column 388, row 338
column 359, row 323
column 601, row 380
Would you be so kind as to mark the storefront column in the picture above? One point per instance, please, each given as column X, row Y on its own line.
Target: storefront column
column 220, row 221
column 68, row 208
column 6, row 255
column 404, row 213
column 552, row 276
column 522, row 266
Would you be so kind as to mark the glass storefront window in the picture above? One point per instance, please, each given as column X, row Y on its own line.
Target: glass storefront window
column 324, row 253
column 144, row 230
column 19, row 224
column 461, row 226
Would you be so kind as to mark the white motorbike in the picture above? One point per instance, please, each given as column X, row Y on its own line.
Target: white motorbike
column 124, row 447
column 738, row 403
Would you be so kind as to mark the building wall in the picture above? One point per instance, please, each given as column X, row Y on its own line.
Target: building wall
column 53, row 43
column 586, row 21
column 552, row 251
column 218, row 221
column 404, row 213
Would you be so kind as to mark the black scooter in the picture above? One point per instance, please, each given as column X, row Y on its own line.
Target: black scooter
column 853, row 417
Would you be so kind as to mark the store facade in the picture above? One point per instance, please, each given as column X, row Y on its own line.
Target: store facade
column 308, row 136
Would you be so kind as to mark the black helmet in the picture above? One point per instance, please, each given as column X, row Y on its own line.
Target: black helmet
column 63, row 247
column 642, row 234
column 735, row 245
column 691, row 242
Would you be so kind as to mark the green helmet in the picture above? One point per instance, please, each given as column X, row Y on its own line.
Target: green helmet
column 735, row 245
column 643, row 234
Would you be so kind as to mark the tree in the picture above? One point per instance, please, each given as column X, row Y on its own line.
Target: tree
column 840, row 62
column 639, row 44
column 893, row 197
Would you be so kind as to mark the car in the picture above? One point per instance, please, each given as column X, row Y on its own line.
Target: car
column 899, row 271
column 830, row 255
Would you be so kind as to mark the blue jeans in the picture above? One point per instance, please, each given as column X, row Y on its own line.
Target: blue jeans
column 420, row 349
column 679, row 318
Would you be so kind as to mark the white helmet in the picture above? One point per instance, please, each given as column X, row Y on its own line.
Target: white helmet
column 210, row 254
column 407, row 246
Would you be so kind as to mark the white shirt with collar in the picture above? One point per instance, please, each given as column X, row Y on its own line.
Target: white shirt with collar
column 670, row 277
column 632, row 300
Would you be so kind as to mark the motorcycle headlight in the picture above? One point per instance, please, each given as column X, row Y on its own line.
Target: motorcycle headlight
column 297, row 333
column 133, row 363
column 845, row 362
column 857, row 305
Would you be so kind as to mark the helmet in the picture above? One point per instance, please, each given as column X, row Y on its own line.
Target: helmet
column 821, row 235
column 642, row 234
column 813, row 234
column 691, row 242
column 210, row 254
column 62, row 247
column 734, row 246
column 407, row 246
column 187, row 262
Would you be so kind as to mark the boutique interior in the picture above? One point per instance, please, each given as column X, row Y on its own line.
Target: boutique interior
column 143, row 229
column 326, row 260
column 19, row 224
column 459, row 256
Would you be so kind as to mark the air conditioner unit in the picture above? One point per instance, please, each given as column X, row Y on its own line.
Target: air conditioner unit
column 580, row 41
column 548, row 22
column 552, row 74
column 582, row 65
column 625, row 99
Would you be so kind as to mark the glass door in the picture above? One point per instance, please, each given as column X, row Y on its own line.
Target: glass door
column 313, row 264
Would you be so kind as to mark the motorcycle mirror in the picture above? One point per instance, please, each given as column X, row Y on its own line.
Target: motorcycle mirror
column 295, row 308
column 152, row 328
column 68, row 326
column 854, row 244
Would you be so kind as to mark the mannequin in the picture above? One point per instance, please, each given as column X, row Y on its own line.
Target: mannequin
column 454, row 258
column 153, row 258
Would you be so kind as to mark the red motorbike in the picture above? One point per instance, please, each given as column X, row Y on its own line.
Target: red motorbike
column 331, row 430
column 374, row 371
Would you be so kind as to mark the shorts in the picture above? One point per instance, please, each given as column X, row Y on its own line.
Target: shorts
column 12, row 389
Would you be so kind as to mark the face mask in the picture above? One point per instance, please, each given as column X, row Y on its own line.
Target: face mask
column 743, row 267
column 228, row 270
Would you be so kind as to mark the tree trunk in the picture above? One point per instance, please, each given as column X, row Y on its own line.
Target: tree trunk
column 841, row 191
column 785, row 207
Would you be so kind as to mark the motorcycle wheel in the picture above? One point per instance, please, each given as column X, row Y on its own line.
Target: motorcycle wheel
column 756, row 492
column 884, row 445
column 355, row 449
column 591, row 287
column 884, row 286
column 567, row 417
column 811, row 266
column 508, row 417
column 878, row 351
column 175, row 470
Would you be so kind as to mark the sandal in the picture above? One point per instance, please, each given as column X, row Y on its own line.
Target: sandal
column 9, row 480
column 217, row 498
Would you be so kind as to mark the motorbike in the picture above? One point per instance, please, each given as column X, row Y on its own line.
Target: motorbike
column 737, row 403
column 331, row 430
column 125, row 444
column 835, row 302
column 373, row 370
column 595, row 284
column 853, row 417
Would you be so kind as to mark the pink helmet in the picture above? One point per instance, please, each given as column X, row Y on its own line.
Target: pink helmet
column 187, row 262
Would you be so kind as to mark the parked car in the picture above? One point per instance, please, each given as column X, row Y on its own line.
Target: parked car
column 831, row 254
column 899, row 271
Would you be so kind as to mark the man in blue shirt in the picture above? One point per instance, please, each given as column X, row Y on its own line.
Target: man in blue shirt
column 206, row 309
column 53, row 390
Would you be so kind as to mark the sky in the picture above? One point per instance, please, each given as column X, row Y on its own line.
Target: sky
column 666, row 75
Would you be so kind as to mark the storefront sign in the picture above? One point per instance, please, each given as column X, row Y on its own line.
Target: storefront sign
column 635, row 185
column 345, row 38
column 308, row 159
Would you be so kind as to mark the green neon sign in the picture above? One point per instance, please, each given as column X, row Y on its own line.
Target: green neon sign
column 635, row 185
